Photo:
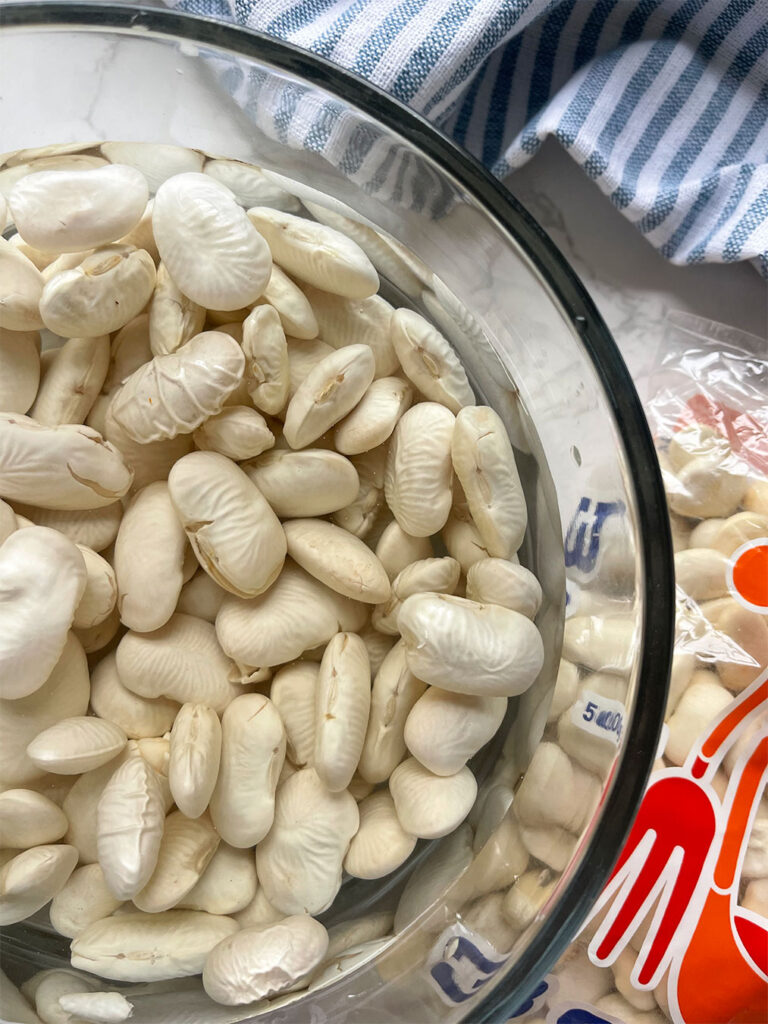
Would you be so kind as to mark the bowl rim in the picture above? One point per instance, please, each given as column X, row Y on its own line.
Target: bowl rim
column 627, row 784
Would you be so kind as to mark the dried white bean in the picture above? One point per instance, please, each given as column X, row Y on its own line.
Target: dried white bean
column 467, row 647
column 237, row 432
column 175, row 393
column 94, row 528
column 293, row 307
column 695, row 710
column 234, row 533
column 395, row 690
column 706, row 487
column 100, row 592
column 338, row 559
column 554, row 791
column 194, row 756
column 367, row 321
column 174, row 319
column 738, row 529
column 397, row 549
column 342, row 702
column 328, row 392
column 32, row 878
column 20, row 292
column 76, row 745
column 293, row 694
column 603, row 645
column 428, row 805
column 201, row 597
column 148, row 559
column 19, row 369
column 44, row 990
column 84, row 899
column 299, row 862
column 98, row 1007
column 296, row 614
column 68, row 211
column 180, row 941
column 251, row 185
column 44, row 577
column 110, row 287
column 266, row 359
column 462, row 538
column 130, row 819
column 312, row 482
column 259, row 962
column 28, row 818
column 380, row 844
column 429, row 361
column 182, row 661
column 374, row 418
column 445, row 862
column 208, row 244
column 155, row 161
column 444, row 730
column 701, row 573
column 185, row 851
column 419, row 474
column 252, row 754
column 64, row 693
column 433, row 575
column 227, row 885
column 316, row 254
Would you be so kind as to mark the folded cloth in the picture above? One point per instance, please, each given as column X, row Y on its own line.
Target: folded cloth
column 663, row 102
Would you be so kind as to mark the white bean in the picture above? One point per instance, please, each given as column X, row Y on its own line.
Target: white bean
column 94, row 528
column 97, row 1007
column 180, row 940
column 419, row 474
column 374, row 418
column 185, row 851
column 329, row 391
column 397, row 549
column 44, row 577
column 428, row 805
column 138, row 717
column 209, row 246
column 201, row 597
column 28, row 818
column 602, row 645
column 182, row 661
column 20, row 291
column 110, row 287
column 259, row 962
column 252, row 754
column 194, row 756
column 237, row 432
column 701, row 573
column 706, row 487
column 293, row 694
column 156, row 162
column 176, row 393
column 695, row 710
column 296, row 614
column 76, row 745
column 64, row 693
column 338, row 559
column 554, row 791
column 738, row 529
column 67, row 468
column 19, row 369
column 316, row 254
column 467, row 647
column 130, row 819
column 312, row 482
column 68, row 211
column 342, row 702
column 235, row 534
column 84, row 899
column 395, row 691
column 32, row 878
column 45, row 989
column 251, row 186
column 433, row 575
column 266, row 359
column 227, row 885
column 484, row 462
column 444, row 730
column 366, row 321
column 148, row 559
column 429, row 361
column 174, row 318
column 100, row 592
column 299, row 862
column 296, row 314
column 497, row 581
column 381, row 844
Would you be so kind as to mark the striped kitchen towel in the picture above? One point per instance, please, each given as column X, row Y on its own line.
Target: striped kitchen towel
column 663, row 102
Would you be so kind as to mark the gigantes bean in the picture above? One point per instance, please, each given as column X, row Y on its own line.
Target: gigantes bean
column 311, row 482
column 227, row 885
column 44, row 577
column 68, row 467
column 329, row 391
column 233, row 531
column 428, row 805
column 72, row 381
column 194, row 757
column 266, row 359
column 185, row 851
column 180, row 940
column 32, row 878
column 293, row 694
column 338, row 559
column 444, row 730
column 299, row 862
column 342, row 703
column 468, row 647
column 381, row 844
column 252, row 754
column 20, row 291
column 429, row 361
column 419, row 473
column 28, row 818
column 85, row 898
column 19, row 369
column 76, row 745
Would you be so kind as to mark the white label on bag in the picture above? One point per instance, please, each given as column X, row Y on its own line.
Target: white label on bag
column 599, row 716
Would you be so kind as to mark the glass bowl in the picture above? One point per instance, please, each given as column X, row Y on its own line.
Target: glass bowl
column 451, row 242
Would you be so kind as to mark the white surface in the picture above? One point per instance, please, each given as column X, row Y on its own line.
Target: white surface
column 634, row 288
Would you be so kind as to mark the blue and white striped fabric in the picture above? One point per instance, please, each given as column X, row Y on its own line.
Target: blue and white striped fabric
column 663, row 102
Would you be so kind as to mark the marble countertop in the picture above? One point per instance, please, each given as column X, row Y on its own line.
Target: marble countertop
column 633, row 287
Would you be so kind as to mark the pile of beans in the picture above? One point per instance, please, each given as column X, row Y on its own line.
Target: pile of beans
column 260, row 601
